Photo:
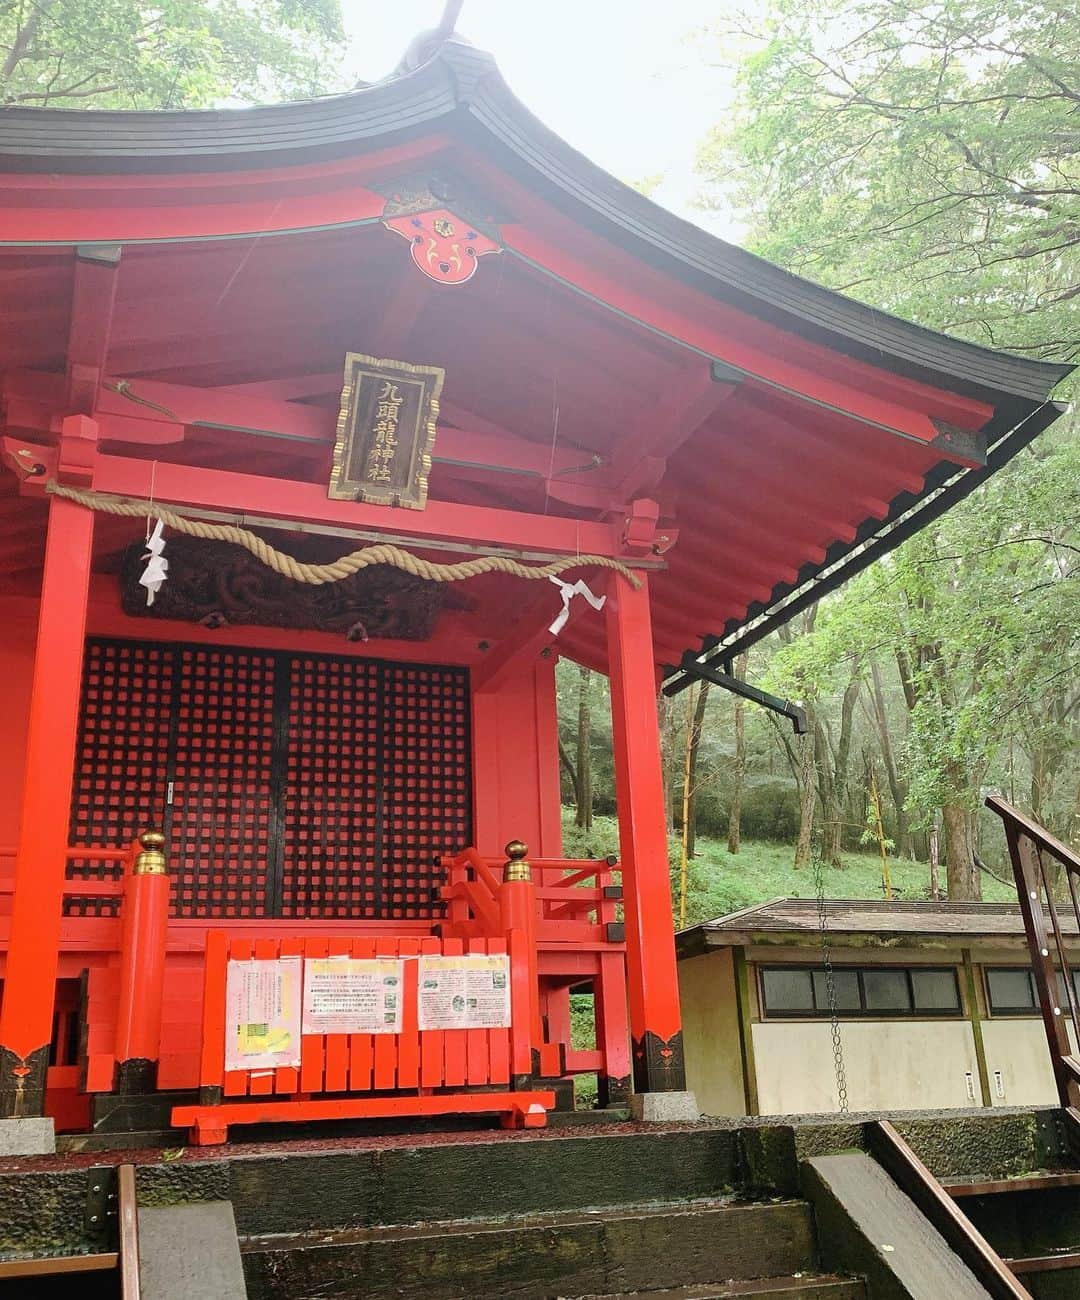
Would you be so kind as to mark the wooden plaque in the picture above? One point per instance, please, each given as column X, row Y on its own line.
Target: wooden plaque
column 385, row 432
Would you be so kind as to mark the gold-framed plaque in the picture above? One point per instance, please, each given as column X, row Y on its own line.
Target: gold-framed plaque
column 385, row 431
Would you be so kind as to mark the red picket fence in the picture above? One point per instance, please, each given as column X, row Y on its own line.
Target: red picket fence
column 360, row 1076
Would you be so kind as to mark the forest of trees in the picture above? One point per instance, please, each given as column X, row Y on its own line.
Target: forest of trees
column 921, row 155
column 924, row 158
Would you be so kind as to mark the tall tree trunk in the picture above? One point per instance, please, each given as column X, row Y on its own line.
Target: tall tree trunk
column 831, row 816
column 965, row 884
column 842, row 766
column 584, row 817
column 905, row 845
column 568, row 765
column 684, row 813
column 833, row 775
column 738, row 776
column 1042, row 776
column 807, row 793
column 692, row 770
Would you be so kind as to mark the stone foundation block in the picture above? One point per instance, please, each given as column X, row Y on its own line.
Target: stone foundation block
column 665, row 1108
column 27, row 1137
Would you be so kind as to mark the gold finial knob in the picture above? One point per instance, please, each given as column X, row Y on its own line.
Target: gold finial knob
column 151, row 861
column 516, row 867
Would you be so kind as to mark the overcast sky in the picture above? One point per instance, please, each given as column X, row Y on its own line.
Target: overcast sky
column 621, row 80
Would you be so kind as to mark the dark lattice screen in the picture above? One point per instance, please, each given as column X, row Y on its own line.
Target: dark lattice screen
column 333, row 810
column 288, row 785
column 427, row 788
column 221, row 813
column 120, row 786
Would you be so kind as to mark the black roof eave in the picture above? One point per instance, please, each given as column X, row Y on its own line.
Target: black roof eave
column 1015, row 425
column 462, row 83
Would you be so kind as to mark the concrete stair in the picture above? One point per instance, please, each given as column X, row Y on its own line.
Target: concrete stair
column 603, row 1212
column 817, row 1287
column 765, row 1249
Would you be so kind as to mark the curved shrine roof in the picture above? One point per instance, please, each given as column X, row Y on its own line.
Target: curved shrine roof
column 789, row 434
column 462, row 87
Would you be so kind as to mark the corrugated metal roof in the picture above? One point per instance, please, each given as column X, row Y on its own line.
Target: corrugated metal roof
column 799, row 916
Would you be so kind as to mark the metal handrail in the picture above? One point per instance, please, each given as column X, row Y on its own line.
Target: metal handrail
column 1066, row 856
column 1027, row 842
column 963, row 1238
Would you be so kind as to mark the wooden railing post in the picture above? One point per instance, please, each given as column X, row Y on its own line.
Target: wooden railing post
column 517, row 911
column 145, row 920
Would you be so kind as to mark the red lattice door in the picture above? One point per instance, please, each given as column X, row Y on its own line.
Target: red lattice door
column 288, row 785
column 221, row 826
column 121, row 783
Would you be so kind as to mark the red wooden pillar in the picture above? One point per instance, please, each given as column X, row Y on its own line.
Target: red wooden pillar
column 33, row 951
column 142, row 967
column 609, row 1002
column 517, row 915
column 655, row 1021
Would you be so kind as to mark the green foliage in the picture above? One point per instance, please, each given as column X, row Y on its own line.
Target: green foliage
column 920, row 154
column 583, row 1039
column 923, row 155
column 721, row 882
column 172, row 54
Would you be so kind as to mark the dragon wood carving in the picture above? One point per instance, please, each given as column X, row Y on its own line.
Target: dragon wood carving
column 218, row 583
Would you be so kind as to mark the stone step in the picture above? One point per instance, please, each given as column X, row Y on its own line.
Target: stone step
column 477, row 1177
column 540, row 1257
column 816, row 1287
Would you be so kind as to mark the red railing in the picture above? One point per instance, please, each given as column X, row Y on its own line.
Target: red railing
column 97, row 888
column 143, row 891
column 576, row 914
column 1030, row 846
column 576, row 899
column 408, row 1070
column 565, row 909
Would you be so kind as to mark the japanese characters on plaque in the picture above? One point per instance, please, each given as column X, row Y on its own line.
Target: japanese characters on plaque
column 385, row 432
column 353, row 995
column 270, row 1003
column 464, row 992
column 262, row 1014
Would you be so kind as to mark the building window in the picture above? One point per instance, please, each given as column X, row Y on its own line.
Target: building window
column 873, row 992
column 1011, row 991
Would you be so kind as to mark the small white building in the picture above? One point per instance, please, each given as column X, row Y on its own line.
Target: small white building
column 935, row 1004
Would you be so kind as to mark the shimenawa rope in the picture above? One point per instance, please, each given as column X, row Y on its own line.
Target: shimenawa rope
column 317, row 575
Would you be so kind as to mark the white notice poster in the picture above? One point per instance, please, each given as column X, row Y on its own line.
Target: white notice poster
column 353, row 995
column 262, row 1014
column 464, row 992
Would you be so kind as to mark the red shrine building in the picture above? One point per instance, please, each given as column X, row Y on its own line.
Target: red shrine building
column 280, row 812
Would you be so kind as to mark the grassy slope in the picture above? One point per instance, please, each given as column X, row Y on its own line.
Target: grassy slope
column 720, row 882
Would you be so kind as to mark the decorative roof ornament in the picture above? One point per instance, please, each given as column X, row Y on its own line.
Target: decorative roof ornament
column 448, row 226
column 443, row 246
column 428, row 43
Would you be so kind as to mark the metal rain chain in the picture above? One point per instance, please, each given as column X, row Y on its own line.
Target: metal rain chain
column 830, row 983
